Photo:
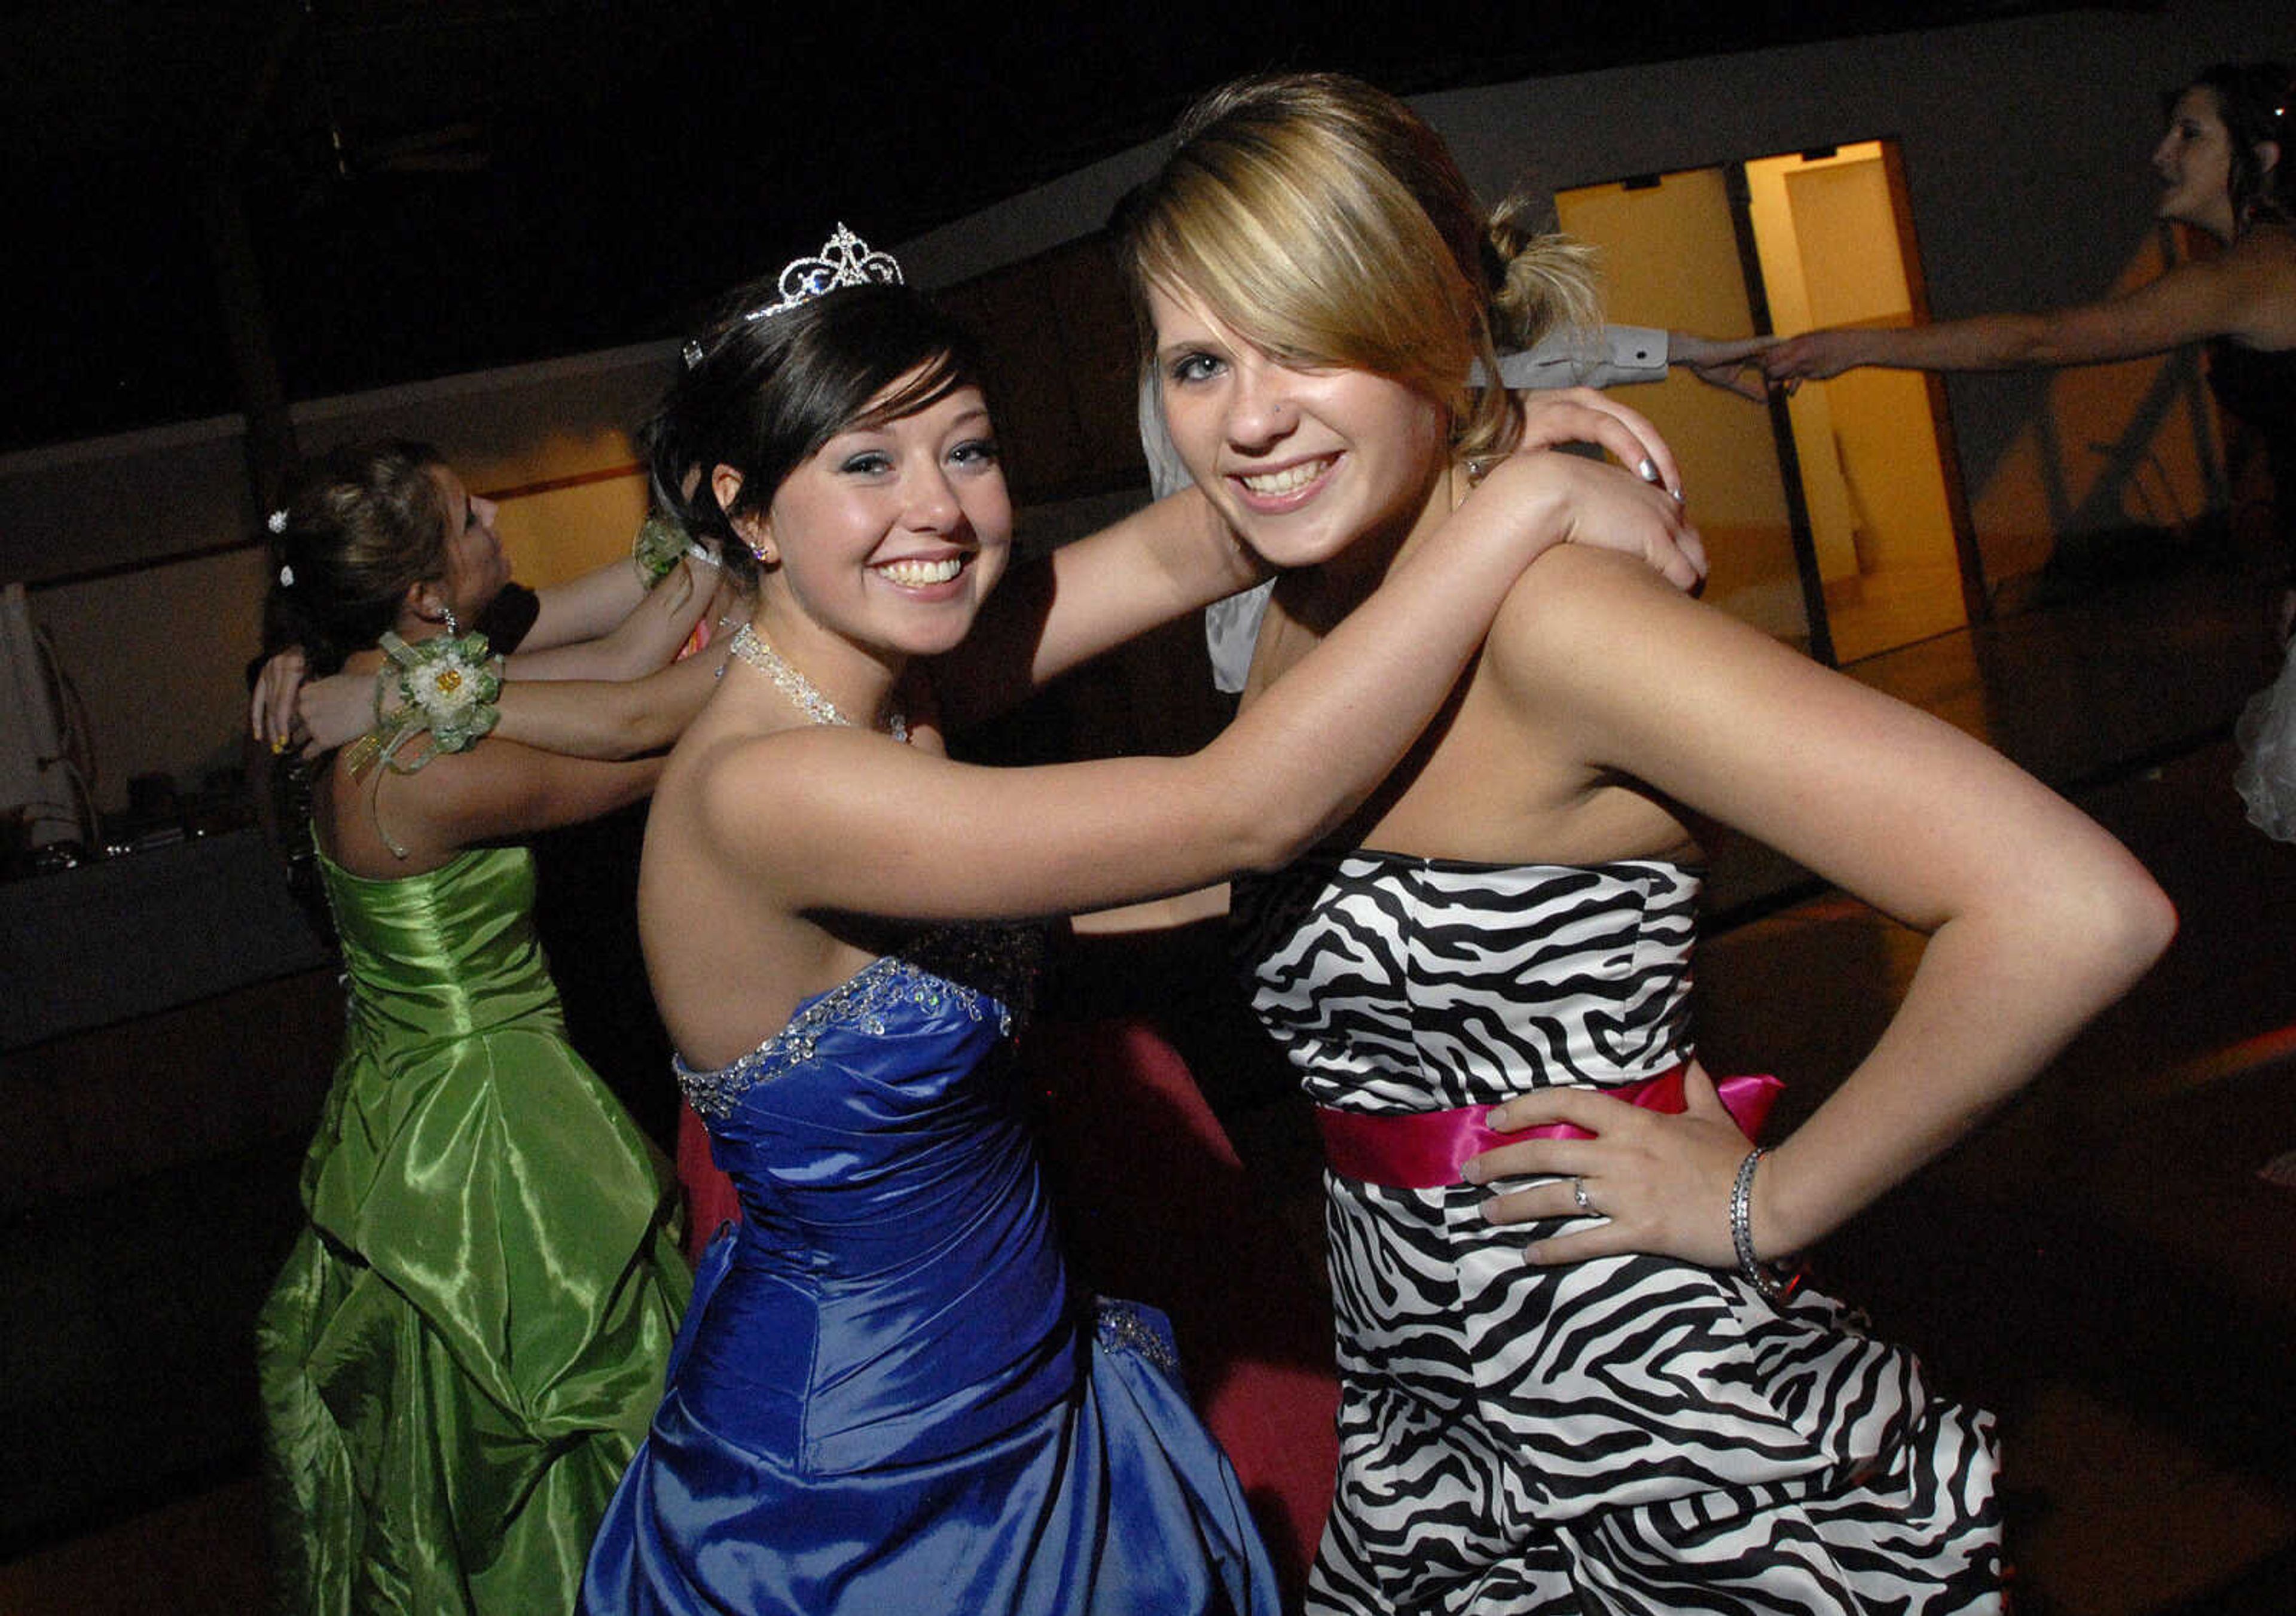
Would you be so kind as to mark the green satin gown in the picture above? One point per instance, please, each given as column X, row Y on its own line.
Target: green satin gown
column 468, row 1340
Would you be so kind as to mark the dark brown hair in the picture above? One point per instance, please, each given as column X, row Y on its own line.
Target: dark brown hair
column 362, row 524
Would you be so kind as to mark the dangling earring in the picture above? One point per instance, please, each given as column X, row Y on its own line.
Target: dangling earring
column 454, row 629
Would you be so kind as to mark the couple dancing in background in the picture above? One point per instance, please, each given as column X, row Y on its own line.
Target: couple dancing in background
column 1475, row 942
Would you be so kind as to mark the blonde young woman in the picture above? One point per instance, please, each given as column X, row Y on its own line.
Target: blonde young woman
column 1571, row 1379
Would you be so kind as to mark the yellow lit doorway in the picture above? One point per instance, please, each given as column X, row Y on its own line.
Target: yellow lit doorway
column 1842, row 528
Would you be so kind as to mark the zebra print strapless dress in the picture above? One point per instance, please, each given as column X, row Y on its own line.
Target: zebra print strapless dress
column 1628, row 1434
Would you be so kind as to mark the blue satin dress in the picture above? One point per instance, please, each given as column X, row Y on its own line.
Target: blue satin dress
column 885, row 1397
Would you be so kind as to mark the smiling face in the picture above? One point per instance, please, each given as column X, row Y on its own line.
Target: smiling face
column 477, row 569
column 891, row 536
column 1304, row 461
column 2194, row 161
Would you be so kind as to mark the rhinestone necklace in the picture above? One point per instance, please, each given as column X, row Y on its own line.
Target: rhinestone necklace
column 751, row 647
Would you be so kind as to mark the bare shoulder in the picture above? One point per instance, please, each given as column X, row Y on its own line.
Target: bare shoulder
column 2274, row 244
column 469, row 787
column 1580, row 613
column 1570, row 578
column 423, row 815
column 744, row 789
column 726, row 777
column 2261, row 268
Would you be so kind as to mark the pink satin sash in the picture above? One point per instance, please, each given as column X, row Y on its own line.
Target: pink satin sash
column 1423, row 1149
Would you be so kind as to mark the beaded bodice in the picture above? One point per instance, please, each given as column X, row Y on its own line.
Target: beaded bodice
column 896, row 1242
column 975, row 971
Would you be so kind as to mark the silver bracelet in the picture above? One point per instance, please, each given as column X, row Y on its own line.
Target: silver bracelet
column 1765, row 1277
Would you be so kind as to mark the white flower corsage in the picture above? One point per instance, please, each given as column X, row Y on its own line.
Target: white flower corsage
column 445, row 688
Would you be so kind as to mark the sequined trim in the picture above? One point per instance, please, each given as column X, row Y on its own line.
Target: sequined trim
column 1128, row 1327
column 975, row 970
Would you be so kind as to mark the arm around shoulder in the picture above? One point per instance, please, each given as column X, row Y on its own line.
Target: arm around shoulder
column 635, row 642
column 838, row 818
column 585, row 607
column 608, row 720
column 499, row 790
column 1157, row 563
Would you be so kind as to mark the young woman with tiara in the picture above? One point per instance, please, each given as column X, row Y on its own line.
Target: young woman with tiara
column 886, row 1395
column 1571, row 1378
column 462, row 1349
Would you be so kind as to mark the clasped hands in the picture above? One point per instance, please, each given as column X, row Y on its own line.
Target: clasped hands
column 1655, row 1182
column 1753, row 366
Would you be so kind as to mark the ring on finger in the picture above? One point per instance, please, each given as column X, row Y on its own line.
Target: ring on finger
column 1585, row 1201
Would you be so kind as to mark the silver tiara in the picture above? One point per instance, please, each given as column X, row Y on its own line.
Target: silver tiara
column 845, row 260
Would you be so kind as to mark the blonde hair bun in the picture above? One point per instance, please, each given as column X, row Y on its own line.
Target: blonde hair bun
column 1543, row 281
